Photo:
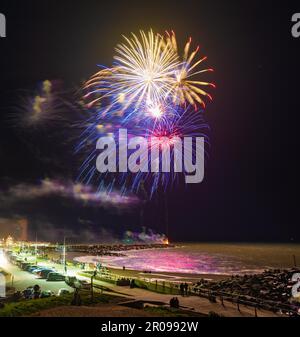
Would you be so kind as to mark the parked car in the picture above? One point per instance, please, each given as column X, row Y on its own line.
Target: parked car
column 46, row 293
column 43, row 273
column 38, row 269
column 19, row 261
column 31, row 268
column 53, row 276
column 62, row 292
column 28, row 266
column 24, row 265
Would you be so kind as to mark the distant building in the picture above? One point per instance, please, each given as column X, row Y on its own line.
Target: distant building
column 18, row 228
column 9, row 241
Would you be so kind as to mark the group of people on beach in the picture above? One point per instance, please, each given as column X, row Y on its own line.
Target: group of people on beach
column 174, row 302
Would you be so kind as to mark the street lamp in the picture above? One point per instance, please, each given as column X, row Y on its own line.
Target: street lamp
column 92, row 285
column 64, row 256
column 35, row 249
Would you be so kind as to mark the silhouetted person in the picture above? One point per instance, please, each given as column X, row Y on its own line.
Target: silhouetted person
column 36, row 291
column 132, row 283
column 186, row 288
column 76, row 297
column 182, row 289
column 172, row 302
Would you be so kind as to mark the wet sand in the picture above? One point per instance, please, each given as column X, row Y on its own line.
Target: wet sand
column 128, row 273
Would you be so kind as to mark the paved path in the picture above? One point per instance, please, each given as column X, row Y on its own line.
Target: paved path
column 194, row 303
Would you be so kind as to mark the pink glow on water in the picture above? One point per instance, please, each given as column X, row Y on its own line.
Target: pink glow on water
column 172, row 260
column 204, row 258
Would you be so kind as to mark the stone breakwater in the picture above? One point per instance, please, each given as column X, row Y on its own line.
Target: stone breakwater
column 113, row 249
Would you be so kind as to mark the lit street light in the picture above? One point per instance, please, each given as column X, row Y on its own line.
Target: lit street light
column 64, row 256
column 35, row 249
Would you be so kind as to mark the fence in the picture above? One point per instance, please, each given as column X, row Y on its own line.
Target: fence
column 255, row 302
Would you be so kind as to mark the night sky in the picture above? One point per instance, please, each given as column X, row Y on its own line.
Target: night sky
column 251, row 186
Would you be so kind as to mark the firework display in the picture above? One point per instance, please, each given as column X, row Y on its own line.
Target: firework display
column 152, row 92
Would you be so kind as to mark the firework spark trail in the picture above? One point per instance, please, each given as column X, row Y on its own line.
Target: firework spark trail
column 184, row 89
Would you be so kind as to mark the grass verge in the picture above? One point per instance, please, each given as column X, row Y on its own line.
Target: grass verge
column 28, row 307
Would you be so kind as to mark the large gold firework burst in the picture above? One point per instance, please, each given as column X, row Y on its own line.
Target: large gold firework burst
column 149, row 73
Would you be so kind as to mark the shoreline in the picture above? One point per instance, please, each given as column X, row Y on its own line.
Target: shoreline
column 94, row 252
column 167, row 275
column 150, row 274
column 155, row 274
